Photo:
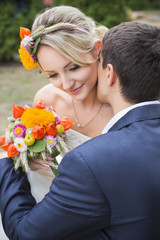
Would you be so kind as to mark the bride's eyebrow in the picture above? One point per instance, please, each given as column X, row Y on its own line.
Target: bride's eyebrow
column 67, row 65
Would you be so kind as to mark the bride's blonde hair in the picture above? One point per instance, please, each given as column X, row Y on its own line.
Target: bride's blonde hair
column 69, row 31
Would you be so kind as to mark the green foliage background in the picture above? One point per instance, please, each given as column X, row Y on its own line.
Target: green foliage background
column 12, row 16
column 106, row 12
column 142, row 4
column 16, row 13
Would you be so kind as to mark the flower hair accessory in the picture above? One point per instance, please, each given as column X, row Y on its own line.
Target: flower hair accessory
column 28, row 48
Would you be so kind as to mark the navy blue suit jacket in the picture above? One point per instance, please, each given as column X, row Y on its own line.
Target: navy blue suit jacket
column 107, row 188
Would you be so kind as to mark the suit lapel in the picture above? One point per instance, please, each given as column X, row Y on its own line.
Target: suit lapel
column 136, row 115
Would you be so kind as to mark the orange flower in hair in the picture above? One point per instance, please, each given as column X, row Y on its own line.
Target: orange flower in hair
column 27, row 59
column 24, row 32
column 28, row 48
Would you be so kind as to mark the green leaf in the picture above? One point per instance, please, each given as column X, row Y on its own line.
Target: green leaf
column 35, row 45
column 38, row 146
column 55, row 152
column 55, row 161
column 54, row 171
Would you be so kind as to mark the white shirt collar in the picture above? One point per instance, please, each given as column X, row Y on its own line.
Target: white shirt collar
column 123, row 112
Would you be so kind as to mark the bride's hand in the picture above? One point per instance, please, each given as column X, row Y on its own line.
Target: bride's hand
column 40, row 164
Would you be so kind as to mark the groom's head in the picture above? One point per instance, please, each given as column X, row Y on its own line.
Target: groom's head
column 131, row 54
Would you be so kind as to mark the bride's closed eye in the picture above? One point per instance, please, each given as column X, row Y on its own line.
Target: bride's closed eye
column 53, row 75
column 74, row 68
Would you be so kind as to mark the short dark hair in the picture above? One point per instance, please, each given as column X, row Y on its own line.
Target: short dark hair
column 133, row 49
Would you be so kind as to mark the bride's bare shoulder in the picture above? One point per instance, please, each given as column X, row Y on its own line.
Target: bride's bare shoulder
column 45, row 94
column 51, row 95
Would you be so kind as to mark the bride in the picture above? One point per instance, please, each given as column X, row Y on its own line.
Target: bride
column 67, row 53
column 66, row 45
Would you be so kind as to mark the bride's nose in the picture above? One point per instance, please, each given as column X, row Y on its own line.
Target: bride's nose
column 67, row 83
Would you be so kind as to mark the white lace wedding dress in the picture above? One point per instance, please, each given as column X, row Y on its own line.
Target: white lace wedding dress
column 40, row 181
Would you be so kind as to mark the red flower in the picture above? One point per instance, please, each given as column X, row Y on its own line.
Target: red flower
column 12, row 151
column 5, row 146
column 17, row 111
column 2, row 139
column 66, row 123
column 51, row 129
column 38, row 132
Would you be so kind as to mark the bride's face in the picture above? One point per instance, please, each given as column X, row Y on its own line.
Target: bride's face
column 77, row 81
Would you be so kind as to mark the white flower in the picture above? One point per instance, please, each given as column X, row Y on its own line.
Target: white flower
column 20, row 144
column 27, row 41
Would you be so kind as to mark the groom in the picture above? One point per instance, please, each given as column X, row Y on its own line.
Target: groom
column 109, row 187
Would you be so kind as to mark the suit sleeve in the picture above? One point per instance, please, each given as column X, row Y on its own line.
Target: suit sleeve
column 74, row 208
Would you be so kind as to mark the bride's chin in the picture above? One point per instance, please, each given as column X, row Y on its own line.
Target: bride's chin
column 78, row 98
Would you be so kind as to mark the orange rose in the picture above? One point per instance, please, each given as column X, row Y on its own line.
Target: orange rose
column 12, row 151
column 17, row 111
column 51, row 129
column 66, row 123
column 38, row 132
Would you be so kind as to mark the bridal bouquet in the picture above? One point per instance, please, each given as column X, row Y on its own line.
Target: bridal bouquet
column 35, row 132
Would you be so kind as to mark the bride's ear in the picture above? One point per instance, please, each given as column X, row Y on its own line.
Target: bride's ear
column 97, row 48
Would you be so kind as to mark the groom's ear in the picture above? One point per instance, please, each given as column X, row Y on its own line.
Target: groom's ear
column 111, row 75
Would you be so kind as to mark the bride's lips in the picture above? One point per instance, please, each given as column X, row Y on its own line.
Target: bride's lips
column 76, row 90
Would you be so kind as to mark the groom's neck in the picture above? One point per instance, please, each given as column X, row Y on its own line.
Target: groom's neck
column 119, row 103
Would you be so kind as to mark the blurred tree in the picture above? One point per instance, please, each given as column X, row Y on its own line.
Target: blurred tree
column 143, row 4
column 137, row 5
column 106, row 12
column 15, row 13
column 154, row 4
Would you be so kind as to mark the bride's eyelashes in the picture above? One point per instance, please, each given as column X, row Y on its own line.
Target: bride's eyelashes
column 53, row 75
column 73, row 68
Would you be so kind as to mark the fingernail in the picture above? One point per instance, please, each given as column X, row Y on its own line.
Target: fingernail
column 50, row 163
